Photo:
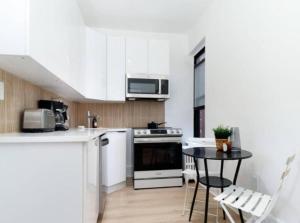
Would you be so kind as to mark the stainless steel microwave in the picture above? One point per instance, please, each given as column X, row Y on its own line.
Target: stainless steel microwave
column 146, row 86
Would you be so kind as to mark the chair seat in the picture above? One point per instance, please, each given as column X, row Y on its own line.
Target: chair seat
column 245, row 200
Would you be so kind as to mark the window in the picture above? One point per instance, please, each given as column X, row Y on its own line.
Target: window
column 199, row 94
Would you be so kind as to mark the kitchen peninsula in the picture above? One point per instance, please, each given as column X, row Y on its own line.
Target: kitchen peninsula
column 50, row 177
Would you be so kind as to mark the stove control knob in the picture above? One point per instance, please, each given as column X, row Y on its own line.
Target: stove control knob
column 145, row 132
column 172, row 132
column 138, row 132
column 178, row 131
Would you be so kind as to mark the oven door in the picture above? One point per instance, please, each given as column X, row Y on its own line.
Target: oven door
column 142, row 87
column 164, row 155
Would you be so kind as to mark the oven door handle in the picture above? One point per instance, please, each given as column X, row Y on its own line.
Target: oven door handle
column 158, row 140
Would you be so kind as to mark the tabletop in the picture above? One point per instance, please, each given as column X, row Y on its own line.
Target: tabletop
column 211, row 153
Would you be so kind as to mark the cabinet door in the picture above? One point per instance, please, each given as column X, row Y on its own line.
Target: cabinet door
column 114, row 159
column 92, row 182
column 13, row 27
column 95, row 75
column 48, row 36
column 159, row 57
column 115, row 69
column 136, row 56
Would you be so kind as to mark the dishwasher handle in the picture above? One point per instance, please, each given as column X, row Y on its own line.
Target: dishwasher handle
column 104, row 142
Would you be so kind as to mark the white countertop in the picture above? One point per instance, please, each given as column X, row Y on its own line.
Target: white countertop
column 71, row 135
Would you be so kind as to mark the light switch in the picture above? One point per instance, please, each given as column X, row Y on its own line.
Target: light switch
column 1, row 90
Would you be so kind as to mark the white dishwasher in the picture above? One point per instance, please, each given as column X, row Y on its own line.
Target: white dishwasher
column 114, row 161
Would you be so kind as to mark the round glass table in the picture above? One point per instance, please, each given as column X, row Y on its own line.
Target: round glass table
column 211, row 153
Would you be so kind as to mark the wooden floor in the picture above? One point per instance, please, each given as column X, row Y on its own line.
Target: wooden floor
column 152, row 206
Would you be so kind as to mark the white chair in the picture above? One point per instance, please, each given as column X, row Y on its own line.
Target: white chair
column 257, row 204
column 189, row 171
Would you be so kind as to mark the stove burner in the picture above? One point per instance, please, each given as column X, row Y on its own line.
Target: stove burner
column 163, row 132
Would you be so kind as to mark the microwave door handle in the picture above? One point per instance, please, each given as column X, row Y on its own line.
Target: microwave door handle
column 159, row 87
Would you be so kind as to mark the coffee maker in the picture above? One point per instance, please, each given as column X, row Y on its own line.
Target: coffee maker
column 60, row 113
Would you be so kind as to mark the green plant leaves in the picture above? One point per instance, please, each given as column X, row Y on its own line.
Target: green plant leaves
column 222, row 132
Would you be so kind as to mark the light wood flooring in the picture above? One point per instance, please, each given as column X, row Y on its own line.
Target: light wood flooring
column 153, row 206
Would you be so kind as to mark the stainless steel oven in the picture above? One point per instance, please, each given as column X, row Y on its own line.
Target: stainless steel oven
column 157, row 158
column 147, row 86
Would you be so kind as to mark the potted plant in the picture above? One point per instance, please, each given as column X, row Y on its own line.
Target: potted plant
column 221, row 134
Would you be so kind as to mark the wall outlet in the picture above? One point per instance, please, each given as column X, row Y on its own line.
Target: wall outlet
column 1, row 90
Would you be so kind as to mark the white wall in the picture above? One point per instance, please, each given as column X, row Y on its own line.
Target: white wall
column 179, row 108
column 252, row 81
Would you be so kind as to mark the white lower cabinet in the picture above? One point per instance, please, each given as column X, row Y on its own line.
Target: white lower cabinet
column 114, row 161
column 91, row 182
column 49, row 182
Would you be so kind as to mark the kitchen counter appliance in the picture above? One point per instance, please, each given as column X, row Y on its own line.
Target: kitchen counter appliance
column 60, row 111
column 145, row 86
column 157, row 158
column 38, row 120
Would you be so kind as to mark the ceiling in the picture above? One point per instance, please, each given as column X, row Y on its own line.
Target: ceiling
column 143, row 15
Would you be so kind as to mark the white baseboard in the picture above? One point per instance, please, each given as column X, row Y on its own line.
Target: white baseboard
column 115, row 187
column 129, row 171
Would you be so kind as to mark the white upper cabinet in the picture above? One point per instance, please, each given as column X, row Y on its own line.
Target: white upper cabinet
column 159, row 57
column 96, row 63
column 136, row 56
column 105, row 66
column 47, row 43
column 115, row 68
column 13, row 27
column 43, row 42
column 56, row 38
column 145, row 56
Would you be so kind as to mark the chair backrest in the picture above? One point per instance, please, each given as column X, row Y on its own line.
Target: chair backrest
column 274, row 198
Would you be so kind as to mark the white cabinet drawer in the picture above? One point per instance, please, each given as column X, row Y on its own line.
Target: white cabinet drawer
column 155, row 183
column 157, row 174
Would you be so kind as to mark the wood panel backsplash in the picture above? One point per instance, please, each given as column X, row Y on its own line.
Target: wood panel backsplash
column 20, row 94
column 123, row 115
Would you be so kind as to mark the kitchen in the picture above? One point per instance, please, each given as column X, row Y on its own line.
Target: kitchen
column 98, row 105
column 93, row 72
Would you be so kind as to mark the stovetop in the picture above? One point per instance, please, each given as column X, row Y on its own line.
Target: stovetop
column 159, row 132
